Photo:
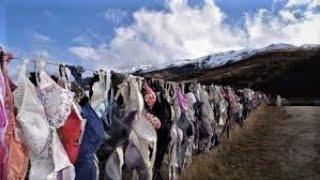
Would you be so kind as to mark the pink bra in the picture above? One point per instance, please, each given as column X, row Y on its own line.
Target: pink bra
column 182, row 100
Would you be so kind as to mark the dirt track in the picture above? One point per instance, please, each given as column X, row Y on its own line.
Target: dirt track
column 276, row 143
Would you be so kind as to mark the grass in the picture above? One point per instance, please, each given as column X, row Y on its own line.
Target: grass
column 234, row 158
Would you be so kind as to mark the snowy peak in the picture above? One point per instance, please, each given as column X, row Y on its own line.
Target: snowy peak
column 223, row 58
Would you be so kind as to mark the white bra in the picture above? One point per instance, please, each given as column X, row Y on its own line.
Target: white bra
column 99, row 99
column 31, row 115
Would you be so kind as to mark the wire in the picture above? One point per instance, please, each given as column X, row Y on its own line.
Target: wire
column 58, row 64
column 48, row 62
column 90, row 70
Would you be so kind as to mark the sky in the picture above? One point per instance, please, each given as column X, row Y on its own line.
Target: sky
column 122, row 34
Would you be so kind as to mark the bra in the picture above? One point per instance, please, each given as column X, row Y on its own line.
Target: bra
column 98, row 94
column 70, row 134
column 31, row 114
column 98, row 98
column 100, row 90
column 56, row 100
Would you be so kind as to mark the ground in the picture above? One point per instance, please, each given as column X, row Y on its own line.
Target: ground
column 276, row 143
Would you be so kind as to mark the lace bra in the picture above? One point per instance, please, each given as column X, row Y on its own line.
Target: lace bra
column 57, row 101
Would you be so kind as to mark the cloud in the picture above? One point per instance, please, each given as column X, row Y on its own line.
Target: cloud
column 291, row 26
column 84, row 52
column 308, row 3
column 87, row 38
column 82, row 39
column 49, row 14
column 314, row 4
column 115, row 16
column 41, row 38
column 288, row 16
column 182, row 31
column 292, row 3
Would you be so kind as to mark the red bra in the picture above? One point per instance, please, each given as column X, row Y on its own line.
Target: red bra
column 69, row 134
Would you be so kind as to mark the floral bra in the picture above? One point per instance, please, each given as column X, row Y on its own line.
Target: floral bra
column 56, row 100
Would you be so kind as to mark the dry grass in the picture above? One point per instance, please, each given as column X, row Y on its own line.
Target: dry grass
column 232, row 159
column 275, row 143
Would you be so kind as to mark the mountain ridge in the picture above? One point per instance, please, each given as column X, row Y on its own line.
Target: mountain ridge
column 269, row 69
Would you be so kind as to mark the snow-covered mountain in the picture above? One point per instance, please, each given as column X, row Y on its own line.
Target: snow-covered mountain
column 223, row 58
column 292, row 71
